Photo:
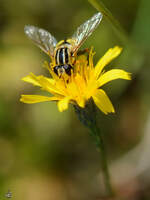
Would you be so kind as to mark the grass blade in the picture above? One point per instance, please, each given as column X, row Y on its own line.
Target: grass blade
column 114, row 22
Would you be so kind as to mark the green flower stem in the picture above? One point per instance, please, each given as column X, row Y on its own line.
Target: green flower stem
column 87, row 117
column 97, row 136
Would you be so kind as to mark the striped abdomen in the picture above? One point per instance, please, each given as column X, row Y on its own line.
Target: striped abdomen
column 62, row 56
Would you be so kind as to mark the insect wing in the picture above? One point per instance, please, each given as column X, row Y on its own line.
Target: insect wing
column 85, row 30
column 41, row 38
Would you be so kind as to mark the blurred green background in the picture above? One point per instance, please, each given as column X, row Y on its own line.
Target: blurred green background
column 48, row 155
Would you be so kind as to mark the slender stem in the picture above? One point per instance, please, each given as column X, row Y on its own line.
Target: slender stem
column 115, row 23
column 97, row 135
column 87, row 116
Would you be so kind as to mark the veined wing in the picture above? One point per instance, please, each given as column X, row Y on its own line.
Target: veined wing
column 85, row 30
column 41, row 38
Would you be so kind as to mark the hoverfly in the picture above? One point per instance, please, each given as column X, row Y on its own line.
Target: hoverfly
column 63, row 53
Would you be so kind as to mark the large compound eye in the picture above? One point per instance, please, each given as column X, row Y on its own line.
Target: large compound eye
column 68, row 69
column 56, row 70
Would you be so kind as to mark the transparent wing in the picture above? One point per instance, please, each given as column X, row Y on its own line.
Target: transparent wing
column 85, row 30
column 41, row 38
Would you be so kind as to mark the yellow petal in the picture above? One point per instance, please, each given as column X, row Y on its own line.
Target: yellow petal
column 102, row 101
column 81, row 102
column 36, row 98
column 30, row 79
column 47, row 84
column 112, row 75
column 63, row 104
column 107, row 58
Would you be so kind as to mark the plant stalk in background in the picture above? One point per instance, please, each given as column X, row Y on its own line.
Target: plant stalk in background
column 108, row 15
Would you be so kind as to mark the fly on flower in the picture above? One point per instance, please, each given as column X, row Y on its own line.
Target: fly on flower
column 84, row 79
column 63, row 54
column 85, row 83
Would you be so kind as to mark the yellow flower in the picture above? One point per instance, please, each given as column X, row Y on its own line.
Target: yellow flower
column 84, row 83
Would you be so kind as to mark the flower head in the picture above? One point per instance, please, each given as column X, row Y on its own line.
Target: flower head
column 84, row 83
